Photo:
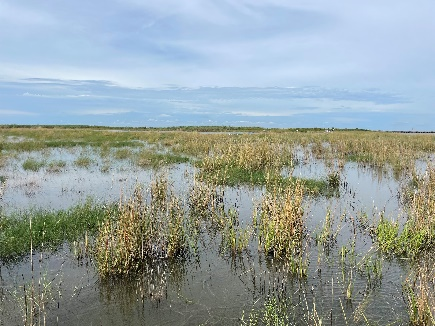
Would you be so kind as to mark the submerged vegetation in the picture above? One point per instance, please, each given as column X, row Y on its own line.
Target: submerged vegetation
column 275, row 210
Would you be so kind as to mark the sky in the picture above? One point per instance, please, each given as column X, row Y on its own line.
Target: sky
column 269, row 63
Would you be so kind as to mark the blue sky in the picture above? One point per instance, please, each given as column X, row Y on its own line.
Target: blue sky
column 269, row 63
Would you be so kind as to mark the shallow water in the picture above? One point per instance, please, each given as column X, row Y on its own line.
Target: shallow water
column 210, row 288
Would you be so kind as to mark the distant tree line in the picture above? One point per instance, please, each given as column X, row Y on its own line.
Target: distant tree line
column 182, row 128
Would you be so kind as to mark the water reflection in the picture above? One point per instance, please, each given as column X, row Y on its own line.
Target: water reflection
column 150, row 284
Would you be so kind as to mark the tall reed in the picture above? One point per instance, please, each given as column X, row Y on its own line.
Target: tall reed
column 419, row 294
column 281, row 225
column 142, row 230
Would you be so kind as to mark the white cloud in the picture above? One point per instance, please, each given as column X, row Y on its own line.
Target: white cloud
column 15, row 112
column 101, row 111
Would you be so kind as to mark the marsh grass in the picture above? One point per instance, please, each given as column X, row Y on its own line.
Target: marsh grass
column 246, row 162
column 36, row 138
column 418, row 232
column 56, row 166
column 36, row 297
column 2, row 186
column 235, row 176
column 203, row 200
column 370, row 266
column 235, row 237
column 142, row 230
column 207, row 208
column 251, row 150
column 150, row 158
column 83, row 161
column 274, row 312
column 32, row 164
column 154, row 227
column 281, row 225
column 419, row 294
column 3, row 159
column 333, row 180
column 123, row 153
column 281, row 310
column 327, row 236
column 49, row 229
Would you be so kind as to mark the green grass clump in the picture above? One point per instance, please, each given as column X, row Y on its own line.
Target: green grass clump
column 83, row 161
column 418, row 233
column 56, row 166
column 33, row 165
column 122, row 153
column 410, row 242
column 274, row 312
column 149, row 158
column 234, row 176
column 48, row 230
column 318, row 187
column 387, row 236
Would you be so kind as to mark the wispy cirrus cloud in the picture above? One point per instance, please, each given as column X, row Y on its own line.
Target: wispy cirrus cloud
column 105, row 111
column 16, row 113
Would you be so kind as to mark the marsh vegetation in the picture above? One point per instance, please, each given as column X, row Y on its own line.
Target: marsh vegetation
column 242, row 227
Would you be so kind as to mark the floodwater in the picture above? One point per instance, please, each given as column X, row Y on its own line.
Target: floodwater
column 211, row 288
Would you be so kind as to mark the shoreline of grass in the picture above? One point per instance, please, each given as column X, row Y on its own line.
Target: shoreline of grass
column 48, row 229
column 236, row 176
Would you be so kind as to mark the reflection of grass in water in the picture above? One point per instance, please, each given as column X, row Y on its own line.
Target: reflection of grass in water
column 149, row 283
column 36, row 297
